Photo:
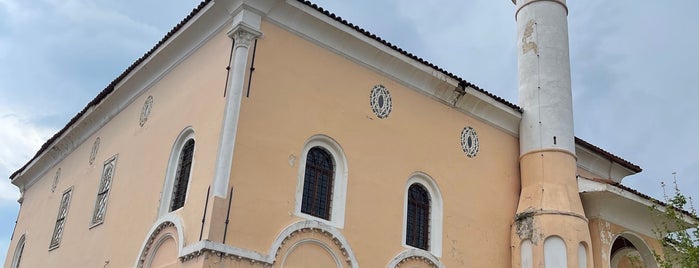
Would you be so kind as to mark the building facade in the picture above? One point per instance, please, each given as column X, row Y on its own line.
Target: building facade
column 272, row 133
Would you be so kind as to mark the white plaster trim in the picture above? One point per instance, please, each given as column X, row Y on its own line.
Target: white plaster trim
column 436, row 211
column 589, row 186
column 19, row 249
column 414, row 253
column 168, row 185
column 339, row 194
column 154, row 230
column 245, row 29
column 600, row 166
column 70, row 193
column 198, row 248
column 312, row 241
column 641, row 246
column 288, row 231
column 198, row 30
column 156, row 246
column 94, row 222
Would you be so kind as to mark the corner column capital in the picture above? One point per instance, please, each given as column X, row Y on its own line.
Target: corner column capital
column 246, row 27
column 243, row 35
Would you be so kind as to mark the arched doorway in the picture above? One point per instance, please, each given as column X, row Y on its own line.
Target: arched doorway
column 630, row 251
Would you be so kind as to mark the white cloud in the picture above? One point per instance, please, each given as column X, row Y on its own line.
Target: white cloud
column 19, row 140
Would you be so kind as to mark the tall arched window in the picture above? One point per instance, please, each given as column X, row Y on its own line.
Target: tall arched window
column 184, row 166
column 322, row 182
column 422, row 214
column 418, row 218
column 178, row 173
column 318, row 183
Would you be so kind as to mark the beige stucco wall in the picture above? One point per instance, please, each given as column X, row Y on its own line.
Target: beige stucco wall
column 190, row 95
column 299, row 90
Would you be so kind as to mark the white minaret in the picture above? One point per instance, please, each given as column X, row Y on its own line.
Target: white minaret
column 550, row 224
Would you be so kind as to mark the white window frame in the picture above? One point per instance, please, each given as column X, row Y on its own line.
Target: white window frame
column 111, row 161
column 19, row 249
column 53, row 245
column 168, row 186
column 436, row 212
column 337, row 204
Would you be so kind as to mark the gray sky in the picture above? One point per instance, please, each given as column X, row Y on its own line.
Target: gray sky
column 634, row 67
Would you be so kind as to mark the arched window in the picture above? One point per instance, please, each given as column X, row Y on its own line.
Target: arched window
column 19, row 249
column 418, row 218
column 184, row 166
column 178, row 173
column 422, row 214
column 322, row 182
column 318, row 183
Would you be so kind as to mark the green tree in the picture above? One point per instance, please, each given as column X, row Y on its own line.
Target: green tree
column 678, row 230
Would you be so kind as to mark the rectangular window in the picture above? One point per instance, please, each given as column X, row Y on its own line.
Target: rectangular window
column 61, row 218
column 103, row 191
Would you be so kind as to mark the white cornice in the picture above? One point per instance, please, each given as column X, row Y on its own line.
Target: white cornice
column 330, row 34
column 627, row 209
column 600, row 165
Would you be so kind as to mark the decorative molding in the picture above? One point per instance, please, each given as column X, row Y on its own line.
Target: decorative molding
column 380, row 101
column 469, row 142
column 104, row 187
column 415, row 255
column 145, row 111
column 169, row 220
column 59, row 228
column 55, row 180
column 243, row 36
column 270, row 259
column 95, row 150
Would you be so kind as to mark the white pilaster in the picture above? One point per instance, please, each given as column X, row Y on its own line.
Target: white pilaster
column 245, row 29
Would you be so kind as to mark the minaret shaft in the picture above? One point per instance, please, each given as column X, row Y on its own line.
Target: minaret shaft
column 549, row 206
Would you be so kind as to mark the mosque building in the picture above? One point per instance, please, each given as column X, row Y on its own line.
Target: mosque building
column 272, row 133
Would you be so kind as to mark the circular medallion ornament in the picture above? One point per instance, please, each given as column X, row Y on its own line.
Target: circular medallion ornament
column 380, row 101
column 146, row 110
column 95, row 148
column 469, row 141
